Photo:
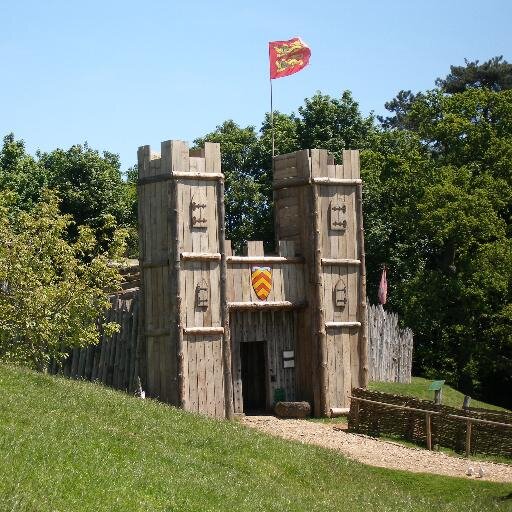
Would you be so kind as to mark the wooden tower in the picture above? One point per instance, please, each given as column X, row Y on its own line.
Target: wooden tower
column 227, row 333
column 318, row 206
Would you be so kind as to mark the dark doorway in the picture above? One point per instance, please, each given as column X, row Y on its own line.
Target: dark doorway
column 252, row 358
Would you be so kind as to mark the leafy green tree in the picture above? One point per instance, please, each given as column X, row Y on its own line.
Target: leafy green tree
column 333, row 124
column 400, row 106
column 91, row 189
column 437, row 210
column 494, row 74
column 20, row 173
column 52, row 291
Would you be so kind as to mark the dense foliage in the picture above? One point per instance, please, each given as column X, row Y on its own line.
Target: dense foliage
column 64, row 216
column 51, row 291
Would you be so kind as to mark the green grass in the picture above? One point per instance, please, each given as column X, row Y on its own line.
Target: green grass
column 418, row 388
column 73, row 446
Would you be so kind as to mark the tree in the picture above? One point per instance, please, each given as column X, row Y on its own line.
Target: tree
column 20, row 173
column 52, row 291
column 494, row 74
column 333, row 124
column 400, row 105
column 91, row 189
column 438, row 211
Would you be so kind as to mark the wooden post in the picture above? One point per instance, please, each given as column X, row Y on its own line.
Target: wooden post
column 226, row 342
column 176, row 290
column 363, row 307
column 322, row 408
column 428, row 421
column 143, row 157
column 355, row 404
column 468, row 437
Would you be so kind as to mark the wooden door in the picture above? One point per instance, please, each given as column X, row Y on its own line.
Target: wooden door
column 252, row 358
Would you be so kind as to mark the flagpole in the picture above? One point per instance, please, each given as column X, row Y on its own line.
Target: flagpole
column 272, row 123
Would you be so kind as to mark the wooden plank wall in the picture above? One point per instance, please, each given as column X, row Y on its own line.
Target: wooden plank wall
column 292, row 201
column 203, row 363
column 154, row 244
column 278, row 328
column 288, row 277
column 342, row 342
column 294, row 178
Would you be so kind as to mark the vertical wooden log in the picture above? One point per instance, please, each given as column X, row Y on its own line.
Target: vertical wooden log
column 135, row 356
column 81, row 363
column 322, row 408
column 363, row 311
column 175, row 286
column 428, row 421
column 143, row 158
column 226, row 342
column 468, row 437
column 355, row 405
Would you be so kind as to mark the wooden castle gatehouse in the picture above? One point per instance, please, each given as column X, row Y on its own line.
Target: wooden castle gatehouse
column 225, row 333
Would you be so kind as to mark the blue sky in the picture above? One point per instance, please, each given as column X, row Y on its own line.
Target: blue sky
column 123, row 74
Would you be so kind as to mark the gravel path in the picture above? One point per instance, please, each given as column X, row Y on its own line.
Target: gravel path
column 376, row 452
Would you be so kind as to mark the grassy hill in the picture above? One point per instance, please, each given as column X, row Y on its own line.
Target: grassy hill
column 418, row 388
column 72, row 446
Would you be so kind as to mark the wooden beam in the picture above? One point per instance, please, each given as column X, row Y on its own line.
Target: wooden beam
column 200, row 256
column 342, row 324
column 394, row 406
column 208, row 176
column 337, row 261
column 264, row 259
column 321, row 180
column 203, row 330
column 266, row 305
column 428, row 428
column 363, row 306
column 224, row 307
column 319, row 318
column 468, row 437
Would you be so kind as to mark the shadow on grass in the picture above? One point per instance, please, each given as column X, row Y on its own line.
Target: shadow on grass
column 506, row 497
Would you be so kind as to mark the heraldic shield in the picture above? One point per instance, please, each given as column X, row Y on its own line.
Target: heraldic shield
column 261, row 278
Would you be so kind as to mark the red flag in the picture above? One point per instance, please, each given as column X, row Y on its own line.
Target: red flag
column 383, row 287
column 287, row 57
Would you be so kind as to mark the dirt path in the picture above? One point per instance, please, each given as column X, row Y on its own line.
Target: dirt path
column 376, row 452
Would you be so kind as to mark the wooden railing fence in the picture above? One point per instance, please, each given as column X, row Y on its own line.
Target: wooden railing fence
column 424, row 423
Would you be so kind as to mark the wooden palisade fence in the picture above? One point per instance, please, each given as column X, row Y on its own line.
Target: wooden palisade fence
column 390, row 347
column 117, row 360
